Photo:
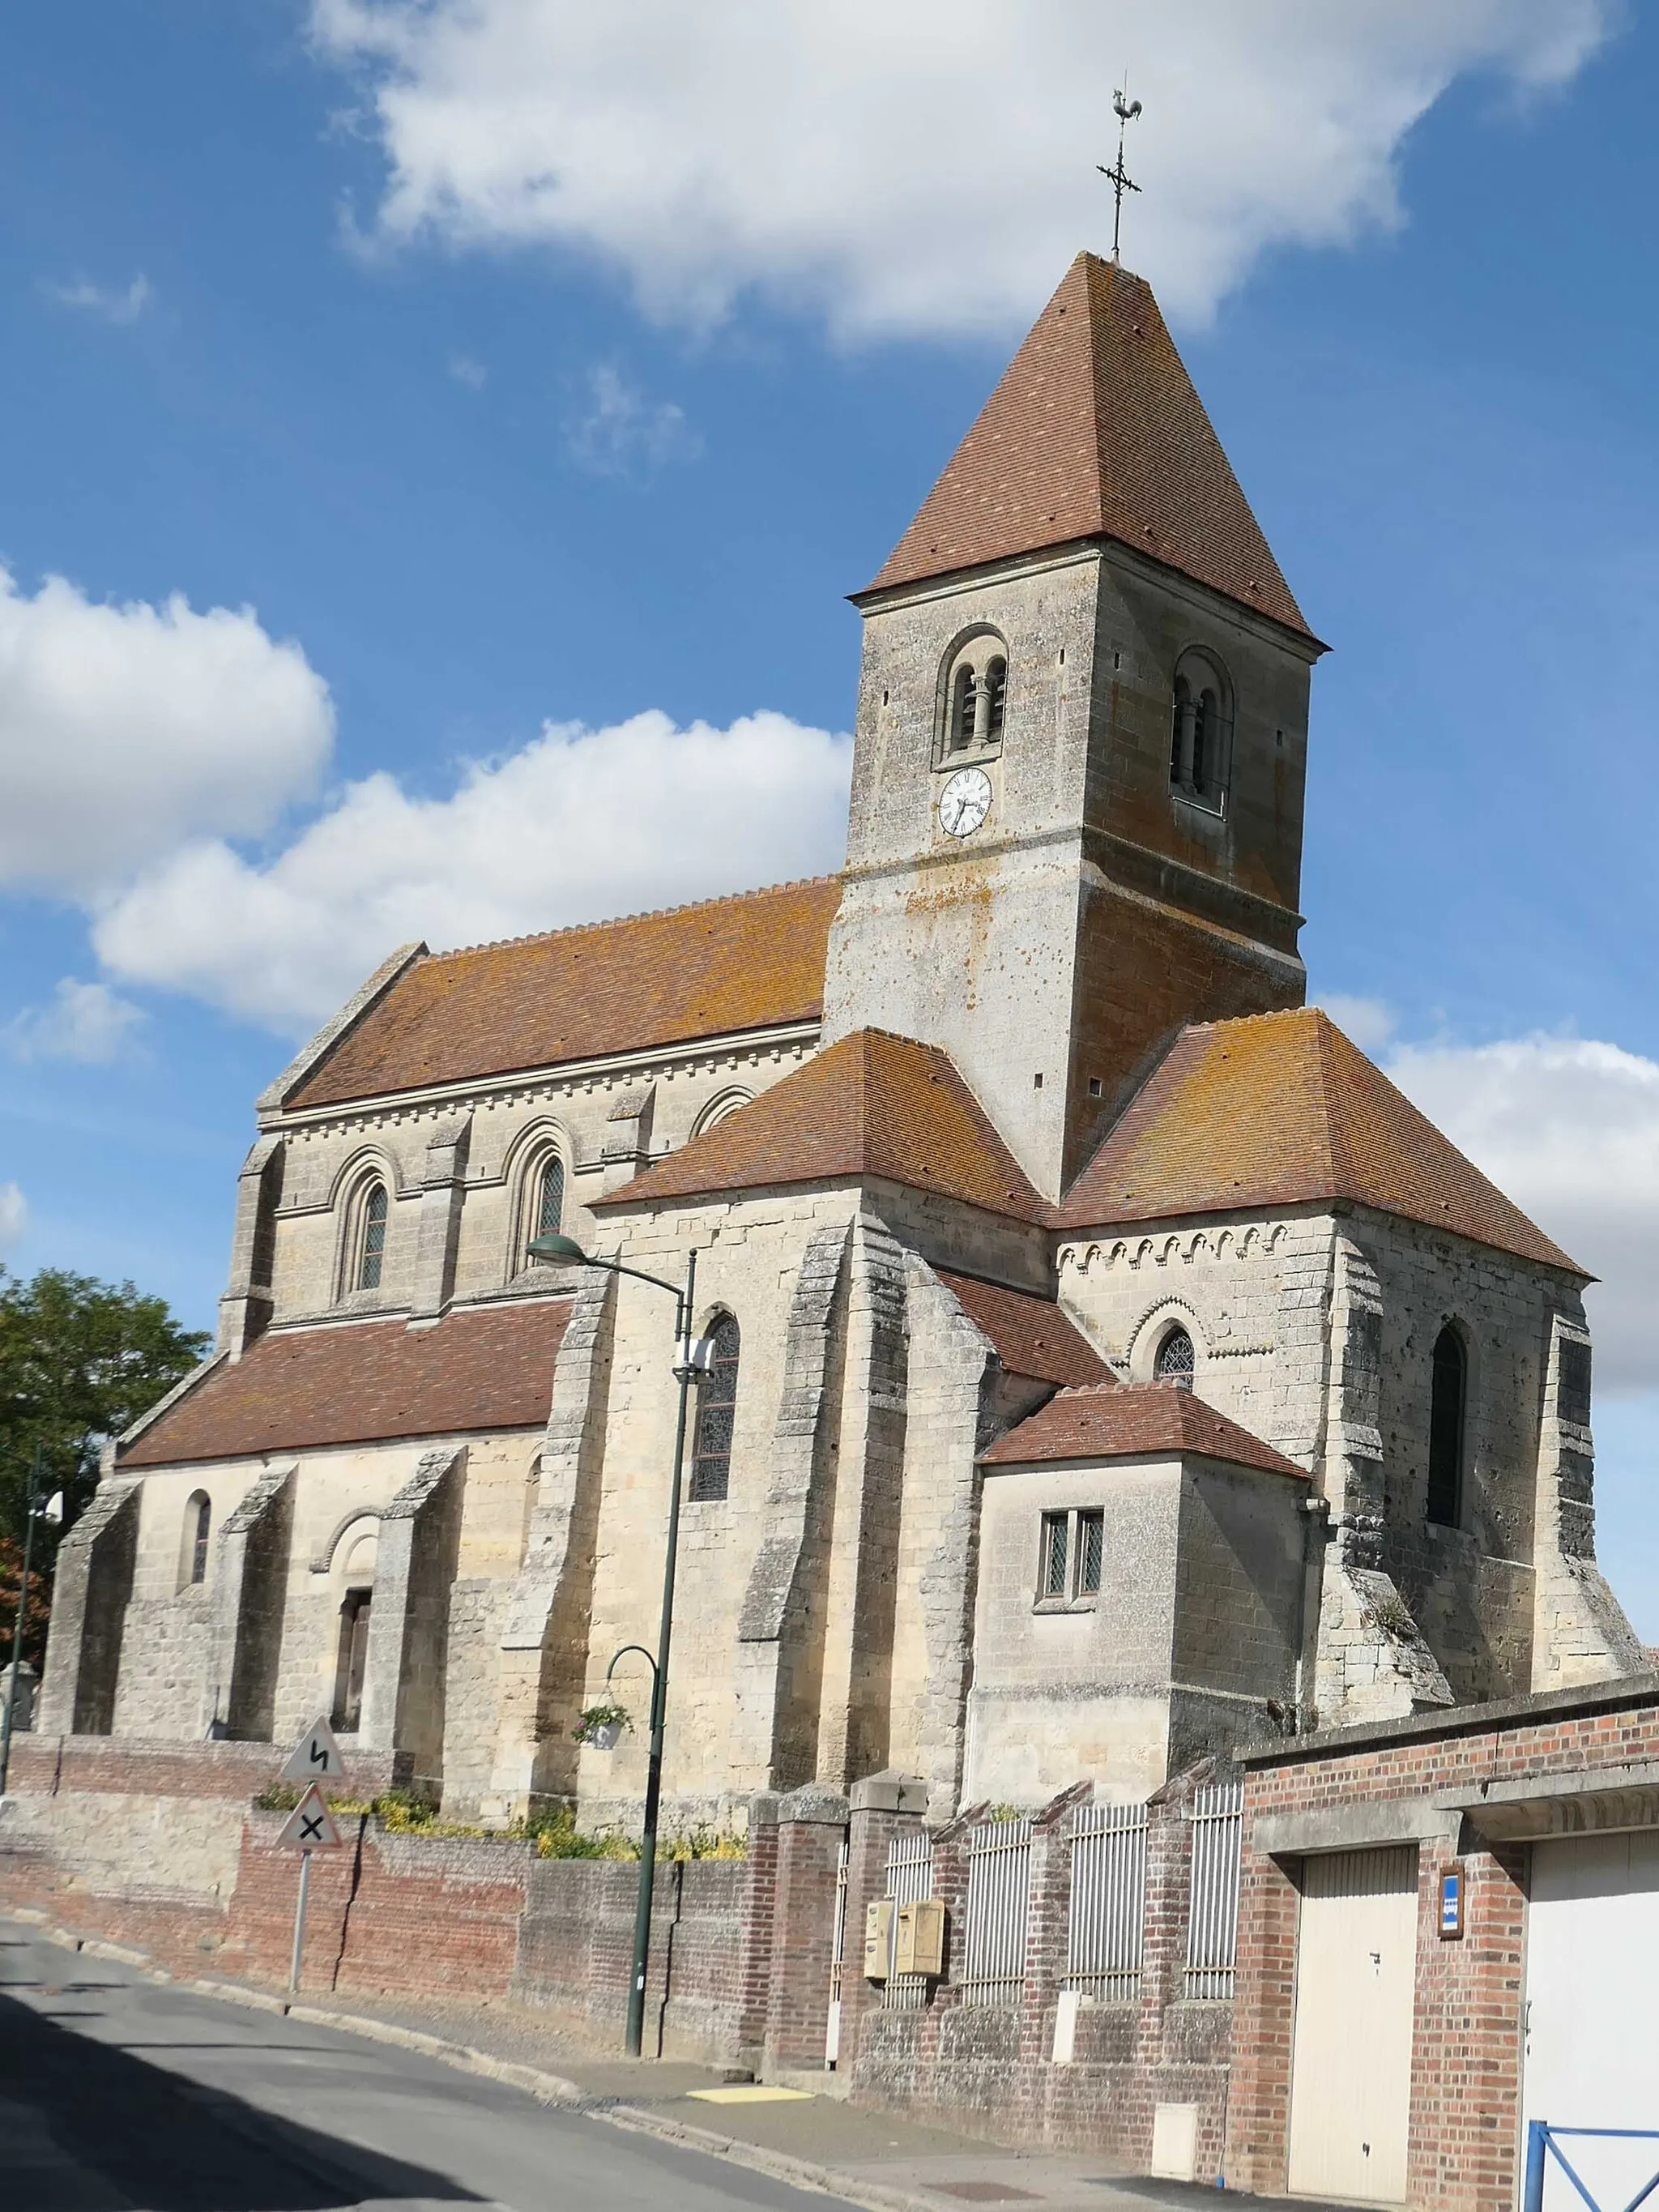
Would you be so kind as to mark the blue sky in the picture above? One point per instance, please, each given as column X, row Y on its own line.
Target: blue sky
column 292, row 321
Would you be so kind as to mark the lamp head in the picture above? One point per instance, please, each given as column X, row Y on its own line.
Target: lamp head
column 558, row 1248
column 53, row 1511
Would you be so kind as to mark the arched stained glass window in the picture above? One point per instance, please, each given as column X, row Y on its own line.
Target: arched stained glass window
column 373, row 1257
column 550, row 1199
column 198, row 1547
column 717, row 1403
column 1445, row 1499
column 1174, row 1360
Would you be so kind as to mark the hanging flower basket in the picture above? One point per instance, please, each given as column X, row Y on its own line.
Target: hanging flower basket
column 600, row 1728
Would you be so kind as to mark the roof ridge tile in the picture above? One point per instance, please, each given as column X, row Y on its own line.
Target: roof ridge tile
column 620, row 921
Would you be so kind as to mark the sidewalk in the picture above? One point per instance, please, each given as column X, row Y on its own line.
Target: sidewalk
column 815, row 2140
column 865, row 2156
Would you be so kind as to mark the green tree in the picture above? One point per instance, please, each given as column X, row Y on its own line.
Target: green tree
column 79, row 1361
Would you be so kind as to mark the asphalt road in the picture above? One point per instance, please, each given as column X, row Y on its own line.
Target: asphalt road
column 117, row 2094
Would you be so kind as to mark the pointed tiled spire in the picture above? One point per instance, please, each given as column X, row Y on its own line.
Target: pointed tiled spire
column 1096, row 430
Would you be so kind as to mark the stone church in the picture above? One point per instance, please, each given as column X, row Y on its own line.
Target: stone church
column 1107, row 1362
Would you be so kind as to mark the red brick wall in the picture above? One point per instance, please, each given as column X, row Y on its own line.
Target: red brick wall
column 576, row 1952
column 993, row 2064
column 386, row 1915
column 1464, row 2142
column 44, row 1765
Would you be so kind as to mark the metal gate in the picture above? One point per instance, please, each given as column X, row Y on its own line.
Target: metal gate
column 837, row 1951
column 909, row 1878
column 1109, row 1899
column 998, row 1903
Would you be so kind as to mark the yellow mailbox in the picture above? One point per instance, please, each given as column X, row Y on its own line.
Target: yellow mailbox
column 918, row 1945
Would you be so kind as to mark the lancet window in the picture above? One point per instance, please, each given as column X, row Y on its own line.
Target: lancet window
column 370, row 1251
column 1446, row 1421
column 717, row 1405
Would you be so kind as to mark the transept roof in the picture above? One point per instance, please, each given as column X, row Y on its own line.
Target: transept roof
column 480, row 1368
column 872, row 1104
column 723, row 966
column 1033, row 1336
column 1096, row 430
column 1133, row 1420
column 1277, row 1110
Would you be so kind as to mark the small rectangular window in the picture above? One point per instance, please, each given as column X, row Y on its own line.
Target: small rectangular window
column 1055, row 1548
column 1090, row 1544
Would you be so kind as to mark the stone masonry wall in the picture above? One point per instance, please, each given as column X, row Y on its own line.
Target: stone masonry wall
column 1315, row 1329
column 511, row 1123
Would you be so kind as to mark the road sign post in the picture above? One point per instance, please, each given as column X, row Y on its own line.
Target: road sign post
column 300, row 1904
column 309, row 1827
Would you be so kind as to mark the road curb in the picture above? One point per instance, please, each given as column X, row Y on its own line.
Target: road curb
column 800, row 2173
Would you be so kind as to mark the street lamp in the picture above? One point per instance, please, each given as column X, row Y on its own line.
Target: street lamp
column 691, row 1363
column 37, row 1507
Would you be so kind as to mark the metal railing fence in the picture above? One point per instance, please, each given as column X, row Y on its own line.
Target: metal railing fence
column 998, row 1901
column 909, row 1878
column 1543, row 2143
column 1108, row 1899
column 1217, row 1817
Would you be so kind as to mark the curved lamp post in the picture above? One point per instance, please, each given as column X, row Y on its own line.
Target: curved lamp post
column 690, row 1365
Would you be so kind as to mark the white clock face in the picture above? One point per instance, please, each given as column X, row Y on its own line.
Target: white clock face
column 964, row 802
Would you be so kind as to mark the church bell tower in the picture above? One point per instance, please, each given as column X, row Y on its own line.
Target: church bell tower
column 1076, row 820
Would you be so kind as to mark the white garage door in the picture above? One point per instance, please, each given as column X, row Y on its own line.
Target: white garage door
column 1351, row 2062
column 1592, row 2051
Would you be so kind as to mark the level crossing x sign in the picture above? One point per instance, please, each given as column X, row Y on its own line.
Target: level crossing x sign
column 311, row 1826
column 316, row 1757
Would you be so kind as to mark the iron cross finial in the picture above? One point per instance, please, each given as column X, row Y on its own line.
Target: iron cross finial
column 1126, row 110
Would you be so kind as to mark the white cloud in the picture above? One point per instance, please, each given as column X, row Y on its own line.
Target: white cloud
column 1369, row 1022
column 125, row 729
column 1569, row 1129
column 578, row 825
column 914, row 164
column 619, row 428
column 14, row 1214
column 467, row 369
column 87, row 1022
column 108, row 301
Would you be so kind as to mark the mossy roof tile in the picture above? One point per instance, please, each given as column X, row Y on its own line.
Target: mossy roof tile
column 1277, row 1110
column 721, row 968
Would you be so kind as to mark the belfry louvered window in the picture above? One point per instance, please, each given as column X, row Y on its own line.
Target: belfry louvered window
column 964, row 697
column 973, row 696
column 372, row 1254
column 717, row 1405
column 995, row 684
column 1200, row 732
